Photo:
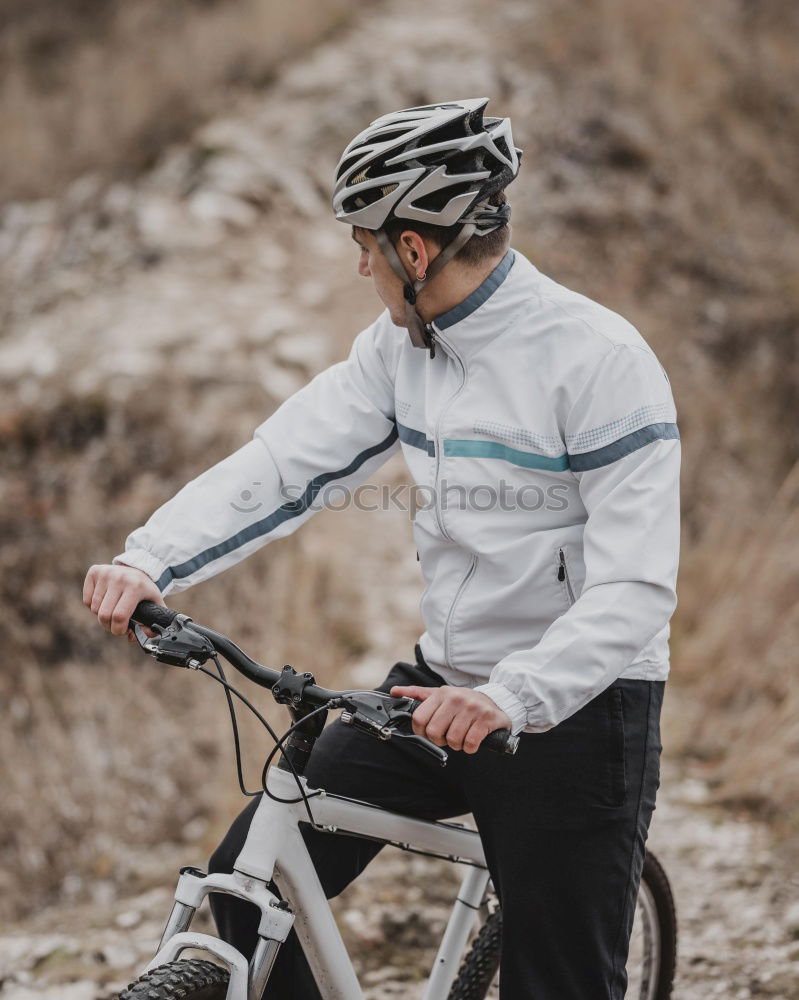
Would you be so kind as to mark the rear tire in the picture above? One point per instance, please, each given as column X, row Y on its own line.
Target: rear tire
column 656, row 881
column 651, row 980
column 480, row 967
column 192, row 979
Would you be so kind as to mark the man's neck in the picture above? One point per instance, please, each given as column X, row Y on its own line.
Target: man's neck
column 453, row 285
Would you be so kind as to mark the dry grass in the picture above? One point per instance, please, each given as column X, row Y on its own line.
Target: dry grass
column 90, row 85
column 737, row 651
column 106, row 759
column 673, row 172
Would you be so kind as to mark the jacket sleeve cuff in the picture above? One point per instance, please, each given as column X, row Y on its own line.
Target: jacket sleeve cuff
column 143, row 560
column 505, row 699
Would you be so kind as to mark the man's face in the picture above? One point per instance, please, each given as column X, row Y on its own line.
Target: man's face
column 372, row 263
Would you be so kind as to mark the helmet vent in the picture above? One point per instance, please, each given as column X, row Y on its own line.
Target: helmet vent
column 390, row 136
column 502, row 146
column 345, row 164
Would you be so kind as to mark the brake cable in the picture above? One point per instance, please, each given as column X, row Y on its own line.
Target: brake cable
column 278, row 747
column 279, row 740
column 234, row 723
column 185, row 651
column 305, row 796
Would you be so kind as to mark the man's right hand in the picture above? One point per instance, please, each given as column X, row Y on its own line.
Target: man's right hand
column 112, row 593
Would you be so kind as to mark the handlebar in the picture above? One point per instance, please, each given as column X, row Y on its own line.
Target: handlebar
column 500, row 740
column 183, row 642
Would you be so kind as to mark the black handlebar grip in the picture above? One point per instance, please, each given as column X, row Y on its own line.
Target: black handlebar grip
column 500, row 740
column 149, row 613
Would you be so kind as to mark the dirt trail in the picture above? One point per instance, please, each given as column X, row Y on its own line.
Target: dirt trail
column 202, row 262
column 736, row 897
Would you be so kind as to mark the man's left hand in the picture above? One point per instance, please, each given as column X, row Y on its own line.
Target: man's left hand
column 456, row 717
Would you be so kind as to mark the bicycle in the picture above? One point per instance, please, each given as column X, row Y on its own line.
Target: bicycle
column 275, row 856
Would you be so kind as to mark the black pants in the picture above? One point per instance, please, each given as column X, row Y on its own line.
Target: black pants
column 563, row 824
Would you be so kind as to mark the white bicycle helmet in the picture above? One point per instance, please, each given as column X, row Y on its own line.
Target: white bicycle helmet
column 438, row 164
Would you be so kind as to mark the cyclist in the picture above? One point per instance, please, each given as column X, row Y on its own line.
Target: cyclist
column 543, row 429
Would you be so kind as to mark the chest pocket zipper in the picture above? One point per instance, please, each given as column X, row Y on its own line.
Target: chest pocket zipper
column 563, row 575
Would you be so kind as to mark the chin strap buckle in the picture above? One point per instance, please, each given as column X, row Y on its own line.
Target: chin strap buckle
column 421, row 333
column 430, row 340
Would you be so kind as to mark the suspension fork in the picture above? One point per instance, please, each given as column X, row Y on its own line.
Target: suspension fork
column 247, row 980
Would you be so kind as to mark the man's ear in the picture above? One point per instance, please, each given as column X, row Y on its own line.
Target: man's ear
column 414, row 254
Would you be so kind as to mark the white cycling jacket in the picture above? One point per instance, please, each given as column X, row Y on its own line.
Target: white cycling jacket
column 544, row 435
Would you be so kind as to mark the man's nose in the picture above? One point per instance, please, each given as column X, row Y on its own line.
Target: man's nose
column 363, row 269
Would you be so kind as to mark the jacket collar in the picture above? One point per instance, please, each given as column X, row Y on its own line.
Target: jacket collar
column 480, row 295
column 489, row 310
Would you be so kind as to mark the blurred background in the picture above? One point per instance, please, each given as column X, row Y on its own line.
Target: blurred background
column 170, row 271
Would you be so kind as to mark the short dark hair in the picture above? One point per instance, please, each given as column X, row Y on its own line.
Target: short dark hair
column 475, row 251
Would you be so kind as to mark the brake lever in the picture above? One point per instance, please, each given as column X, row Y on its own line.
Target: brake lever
column 428, row 746
column 401, row 714
column 147, row 643
column 178, row 644
column 381, row 715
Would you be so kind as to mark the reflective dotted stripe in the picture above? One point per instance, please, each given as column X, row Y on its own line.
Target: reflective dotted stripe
column 626, row 445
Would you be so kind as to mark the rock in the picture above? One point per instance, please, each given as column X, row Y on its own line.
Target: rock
column 367, row 931
column 118, row 956
column 128, row 919
column 295, row 188
column 158, row 217
column 216, row 207
column 378, row 976
column 195, row 829
column 84, row 190
column 301, row 350
column 313, row 293
column 119, row 199
column 280, row 383
column 22, row 953
column 791, row 919
column 83, row 989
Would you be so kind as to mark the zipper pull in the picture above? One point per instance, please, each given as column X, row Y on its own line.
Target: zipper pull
column 561, row 573
column 430, row 337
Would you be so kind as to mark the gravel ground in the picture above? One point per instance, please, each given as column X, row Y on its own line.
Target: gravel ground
column 736, row 903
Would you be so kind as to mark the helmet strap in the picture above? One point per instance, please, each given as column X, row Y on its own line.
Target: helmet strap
column 421, row 333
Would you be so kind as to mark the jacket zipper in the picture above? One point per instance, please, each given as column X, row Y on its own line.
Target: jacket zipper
column 563, row 575
column 450, row 401
column 456, row 598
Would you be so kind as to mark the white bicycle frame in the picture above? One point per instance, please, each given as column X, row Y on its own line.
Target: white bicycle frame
column 275, row 851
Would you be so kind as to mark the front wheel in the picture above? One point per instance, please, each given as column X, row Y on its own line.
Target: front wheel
column 192, row 979
column 650, row 964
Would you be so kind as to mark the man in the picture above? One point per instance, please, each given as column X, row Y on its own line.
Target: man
column 543, row 429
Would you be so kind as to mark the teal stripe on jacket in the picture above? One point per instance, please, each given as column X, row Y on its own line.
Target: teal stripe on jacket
column 493, row 449
column 583, row 462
